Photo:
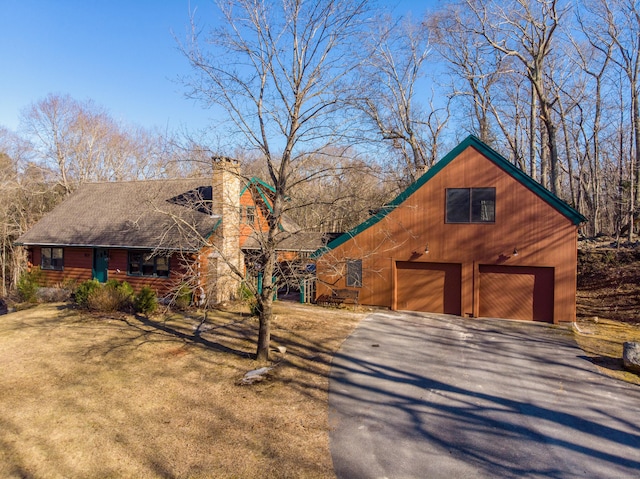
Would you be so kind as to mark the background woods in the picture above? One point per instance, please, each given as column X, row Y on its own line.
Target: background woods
column 550, row 84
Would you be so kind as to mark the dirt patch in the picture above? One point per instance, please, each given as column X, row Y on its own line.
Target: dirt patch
column 609, row 283
column 608, row 304
column 91, row 396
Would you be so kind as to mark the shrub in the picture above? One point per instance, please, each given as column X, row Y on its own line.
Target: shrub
column 123, row 290
column 28, row 285
column 183, row 297
column 245, row 294
column 84, row 290
column 111, row 296
column 254, row 307
column 146, row 301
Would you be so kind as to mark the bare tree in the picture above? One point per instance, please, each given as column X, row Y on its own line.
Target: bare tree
column 389, row 88
column 82, row 142
column 343, row 197
column 279, row 71
column 476, row 69
column 526, row 30
column 26, row 193
column 614, row 29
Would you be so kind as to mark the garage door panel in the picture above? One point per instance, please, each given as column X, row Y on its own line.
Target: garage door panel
column 516, row 292
column 429, row 287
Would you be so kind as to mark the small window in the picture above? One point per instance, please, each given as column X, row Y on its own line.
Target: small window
column 250, row 217
column 162, row 266
column 354, row 273
column 146, row 264
column 52, row 258
column 135, row 261
column 471, row 205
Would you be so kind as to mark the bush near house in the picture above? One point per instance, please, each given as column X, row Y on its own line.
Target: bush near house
column 108, row 297
column 28, row 285
column 84, row 290
column 146, row 301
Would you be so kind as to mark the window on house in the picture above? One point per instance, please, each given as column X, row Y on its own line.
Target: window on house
column 52, row 258
column 250, row 217
column 354, row 273
column 162, row 266
column 471, row 205
column 146, row 264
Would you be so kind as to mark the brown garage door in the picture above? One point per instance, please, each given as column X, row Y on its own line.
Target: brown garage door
column 516, row 292
column 430, row 287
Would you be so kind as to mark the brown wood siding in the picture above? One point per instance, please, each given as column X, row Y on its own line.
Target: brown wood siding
column 118, row 264
column 516, row 292
column 78, row 267
column 542, row 236
column 260, row 223
column 430, row 287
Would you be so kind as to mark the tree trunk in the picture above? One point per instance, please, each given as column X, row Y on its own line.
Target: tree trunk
column 265, row 304
column 533, row 171
column 264, row 328
column 634, row 191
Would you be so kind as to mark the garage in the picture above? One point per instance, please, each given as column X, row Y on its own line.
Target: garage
column 516, row 292
column 473, row 236
column 429, row 287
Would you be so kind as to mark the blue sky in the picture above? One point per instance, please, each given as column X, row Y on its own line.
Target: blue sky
column 120, row 53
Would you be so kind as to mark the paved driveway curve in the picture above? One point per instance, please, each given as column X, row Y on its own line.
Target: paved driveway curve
column 419, row 395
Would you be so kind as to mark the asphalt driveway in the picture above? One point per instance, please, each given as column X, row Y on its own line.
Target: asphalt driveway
column 419, row 395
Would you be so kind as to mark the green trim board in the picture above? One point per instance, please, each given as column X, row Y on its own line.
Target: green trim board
column 573, row 215
column 215, row 228
column 257, row 181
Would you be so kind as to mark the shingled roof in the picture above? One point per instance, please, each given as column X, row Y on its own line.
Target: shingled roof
column 162, row 214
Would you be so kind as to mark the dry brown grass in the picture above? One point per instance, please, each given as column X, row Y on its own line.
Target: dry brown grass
column 602, row 340
column 608, row 305
column 89, row 396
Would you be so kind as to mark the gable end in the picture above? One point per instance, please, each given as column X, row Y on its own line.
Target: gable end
column 563, row 208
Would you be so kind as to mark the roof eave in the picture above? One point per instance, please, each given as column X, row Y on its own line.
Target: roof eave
column 104, row 246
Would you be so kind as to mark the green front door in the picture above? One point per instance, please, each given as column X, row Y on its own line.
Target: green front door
column 100, row 263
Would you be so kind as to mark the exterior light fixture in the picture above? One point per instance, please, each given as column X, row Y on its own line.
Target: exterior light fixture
column 515, row 251
column 426, row 249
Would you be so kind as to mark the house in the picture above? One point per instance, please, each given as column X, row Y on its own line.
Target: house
column 164, row 234
column 474, row 236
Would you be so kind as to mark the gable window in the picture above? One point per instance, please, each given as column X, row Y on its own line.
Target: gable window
column 250, row 217
column 52, row 258
column 354, row 273
column 471, row 205
column 146, row 264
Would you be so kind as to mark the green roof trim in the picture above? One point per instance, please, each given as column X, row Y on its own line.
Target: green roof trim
column 215, row 227
column 258, row 182
column 499, row 160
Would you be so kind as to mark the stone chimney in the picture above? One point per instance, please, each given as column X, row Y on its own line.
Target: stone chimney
column 225, row 195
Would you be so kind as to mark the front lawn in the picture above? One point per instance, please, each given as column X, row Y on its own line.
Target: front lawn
column 92, row 396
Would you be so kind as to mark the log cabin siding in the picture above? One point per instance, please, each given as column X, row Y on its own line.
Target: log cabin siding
column 162, row 285
column 78, row 267
column 260, row 221
column 542, row 236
